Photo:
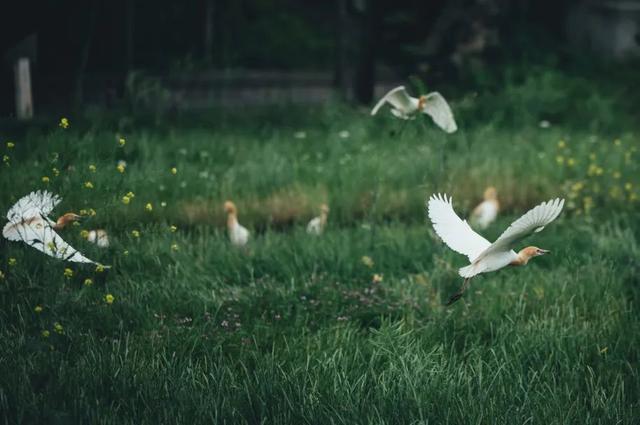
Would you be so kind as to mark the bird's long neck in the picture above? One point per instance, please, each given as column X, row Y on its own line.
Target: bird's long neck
column 323, row 218
column 61, row 222
column 521, row 259
column 232, row 220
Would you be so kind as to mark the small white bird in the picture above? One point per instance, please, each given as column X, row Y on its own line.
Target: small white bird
column 485, row 256
column 99, row 237
column 487, row 211
column 316, row 225
column 28, row 222
column 238, row 234
column 407, row 107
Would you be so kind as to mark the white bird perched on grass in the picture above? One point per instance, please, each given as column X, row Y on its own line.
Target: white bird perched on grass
column 485, row 256
column 407, row 107
column 238, row 234
column 487, row 211
column 28, row 222
column 316, row 225
column 99, row 237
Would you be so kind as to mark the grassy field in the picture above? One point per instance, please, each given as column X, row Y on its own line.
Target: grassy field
column 300, row 329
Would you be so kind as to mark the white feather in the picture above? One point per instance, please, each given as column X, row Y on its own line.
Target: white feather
column 28, row 222
column 438, row 109
column 238, row 234
column 454, row 231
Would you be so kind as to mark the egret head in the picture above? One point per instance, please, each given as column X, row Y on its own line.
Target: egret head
column 490, row 193
column 533, row 251
column 67, row 218
column 324, row 209
column 230, row 207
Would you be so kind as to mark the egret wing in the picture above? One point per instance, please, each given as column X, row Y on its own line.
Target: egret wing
column 41, row 236
column 439, row 110
column 532, row 222
column 398, row 98
column 33, row 205
column 454, row 231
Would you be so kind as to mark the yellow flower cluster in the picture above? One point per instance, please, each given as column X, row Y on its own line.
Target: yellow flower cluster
column 11, row 145
column 121, row 168
column 88, row 185
column 135, row 233
column 88, row 282
column 122, row 142
column 57, row 327
column 92, row 168
column 12, row 262
column 68, row 273
column 174, row 171
column 367, row 261
column 148, row 207
column 109, row 299
column 64, row 123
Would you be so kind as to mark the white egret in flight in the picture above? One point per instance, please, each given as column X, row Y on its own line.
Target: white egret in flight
column 238, row 234
column 487, row 211
column 28, row 222
column 406, row 107
column 485, row 256
column 316, row 225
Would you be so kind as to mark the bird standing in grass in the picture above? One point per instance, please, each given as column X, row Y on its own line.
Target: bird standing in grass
column 316, row 225
column 485, row 256
column 487, row 211
column 28, row 222
column 238, row 234
column 407, row 107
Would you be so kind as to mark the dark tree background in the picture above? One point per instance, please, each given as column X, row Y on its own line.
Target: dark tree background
column 81, row 44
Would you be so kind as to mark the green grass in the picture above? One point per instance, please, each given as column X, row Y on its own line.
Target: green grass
column 296, row 330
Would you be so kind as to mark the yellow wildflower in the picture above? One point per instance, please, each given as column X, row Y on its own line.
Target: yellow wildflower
column 560, row 159
column 11, row 145
column 174, row 171
column 109, row 299
column 64, row 123
column 148, row 207
column 577, row 186
column 122, row 141
column 12, row 262
column 135, row 233
column 562, row 144
column 367, row 261
column 68, row 272
column 99, row 268
column 84, row 234
column 571, row 162
column 55, row 172
column 628, row 186
column 58, row 328
column 587, row 201
column 173, row 228
column 88, row 185
column 377, row 278
column 45, row 179
column 45, row 333
column 174, row 247
column 5, row 159
column 131, row 195
column 120, row 168
column 92, row 168
column 125, row 252
column 38, row 309
column 126, row 200
column 88, row 282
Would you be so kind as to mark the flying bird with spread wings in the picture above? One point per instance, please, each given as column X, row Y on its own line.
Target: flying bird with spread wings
column 28, row 222
column 406, row 107
column 486, row 256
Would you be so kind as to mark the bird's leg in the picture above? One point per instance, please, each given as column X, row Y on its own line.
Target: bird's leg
column 455, row 297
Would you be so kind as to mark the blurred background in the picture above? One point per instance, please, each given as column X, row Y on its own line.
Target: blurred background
column 177, row 56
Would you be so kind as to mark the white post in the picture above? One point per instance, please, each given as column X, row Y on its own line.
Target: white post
column 24, row 100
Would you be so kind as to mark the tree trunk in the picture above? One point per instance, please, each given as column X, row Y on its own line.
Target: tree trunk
column 84, row 54
column 341, row 67
column 208, row 31
column 364, row 79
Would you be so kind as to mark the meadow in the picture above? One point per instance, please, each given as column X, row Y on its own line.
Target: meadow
column 345, row 328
